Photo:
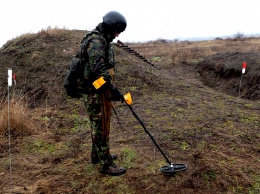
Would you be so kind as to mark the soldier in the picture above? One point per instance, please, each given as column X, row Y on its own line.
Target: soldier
column 98, row 57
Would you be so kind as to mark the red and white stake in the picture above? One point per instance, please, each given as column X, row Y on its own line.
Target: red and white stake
column 243, row 71
column 9, row 84
column 244, row 67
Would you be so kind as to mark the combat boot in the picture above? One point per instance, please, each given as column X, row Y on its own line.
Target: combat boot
column 112, row 169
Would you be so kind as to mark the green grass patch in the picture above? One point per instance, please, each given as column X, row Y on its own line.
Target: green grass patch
column 128, row 157
column 39, row 146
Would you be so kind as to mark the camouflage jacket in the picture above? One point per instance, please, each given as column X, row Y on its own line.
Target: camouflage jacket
column 98, row 57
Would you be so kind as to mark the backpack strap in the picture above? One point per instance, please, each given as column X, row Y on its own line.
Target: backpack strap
column 81, row 51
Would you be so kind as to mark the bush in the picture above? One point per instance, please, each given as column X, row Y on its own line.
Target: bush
column 239, row 35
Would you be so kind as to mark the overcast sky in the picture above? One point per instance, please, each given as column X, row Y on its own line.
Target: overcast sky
column 146, row 19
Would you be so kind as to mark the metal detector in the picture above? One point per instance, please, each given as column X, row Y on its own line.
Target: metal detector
column 171, row 168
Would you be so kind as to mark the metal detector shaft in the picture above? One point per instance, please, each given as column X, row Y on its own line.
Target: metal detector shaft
column 141, row 122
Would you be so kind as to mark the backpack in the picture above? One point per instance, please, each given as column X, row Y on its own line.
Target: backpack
column 74, row 76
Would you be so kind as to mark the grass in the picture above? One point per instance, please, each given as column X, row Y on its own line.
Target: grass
column 21, row 120
column 128, row 155
column 256, row 186
column 40, row 146
column 194, row 51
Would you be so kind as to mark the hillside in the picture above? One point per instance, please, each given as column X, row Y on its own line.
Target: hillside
column 188, row 101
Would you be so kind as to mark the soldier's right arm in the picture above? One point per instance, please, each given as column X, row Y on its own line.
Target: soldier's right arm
column 96, row 51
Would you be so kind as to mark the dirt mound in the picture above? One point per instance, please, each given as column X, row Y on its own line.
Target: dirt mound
column 39, row 61
column 223, row 72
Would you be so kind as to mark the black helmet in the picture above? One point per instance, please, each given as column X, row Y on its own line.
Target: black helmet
column 114, row 21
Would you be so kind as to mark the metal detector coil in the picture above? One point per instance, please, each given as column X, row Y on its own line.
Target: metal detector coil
column 173, row 168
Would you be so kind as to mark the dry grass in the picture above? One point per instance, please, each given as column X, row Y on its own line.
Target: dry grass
column 21, row 122
column 188, row 51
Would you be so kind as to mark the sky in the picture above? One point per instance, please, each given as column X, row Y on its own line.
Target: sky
column 146, row 19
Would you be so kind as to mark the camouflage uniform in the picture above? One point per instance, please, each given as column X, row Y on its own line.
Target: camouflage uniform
column 99, row 60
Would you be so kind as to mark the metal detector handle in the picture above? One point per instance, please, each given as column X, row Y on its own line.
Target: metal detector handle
column 128, row 99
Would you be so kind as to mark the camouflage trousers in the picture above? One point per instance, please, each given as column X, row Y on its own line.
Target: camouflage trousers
column 99, row 112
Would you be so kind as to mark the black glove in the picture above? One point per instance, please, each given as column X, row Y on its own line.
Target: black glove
column 116, row 95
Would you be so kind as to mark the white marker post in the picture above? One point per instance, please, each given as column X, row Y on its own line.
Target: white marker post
column 9, row 79
column 10, row 75
column 243, row 71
